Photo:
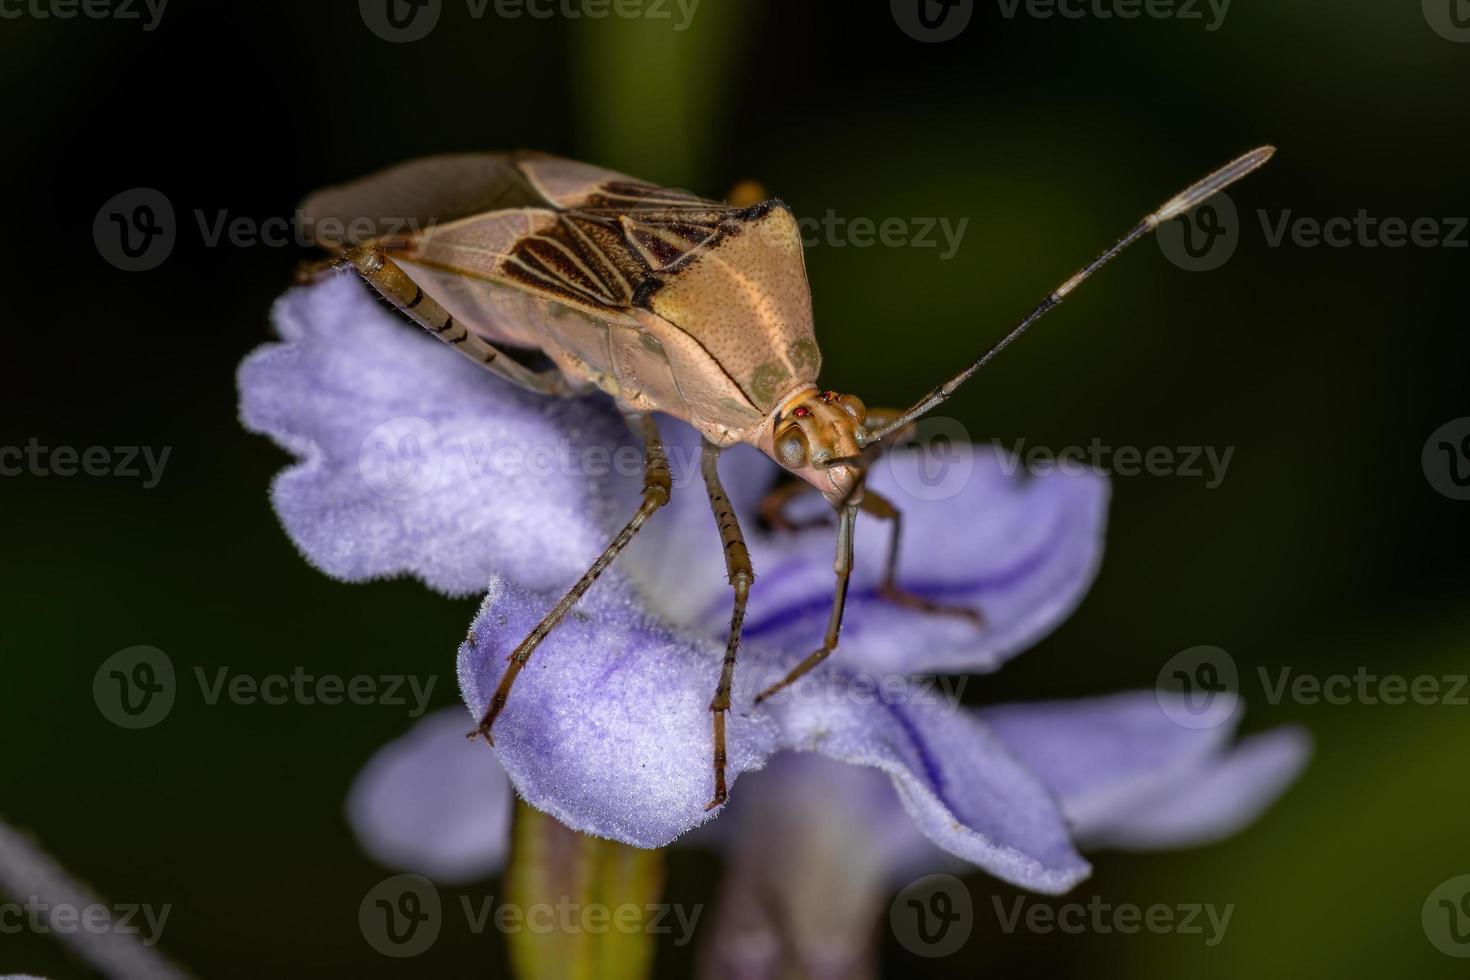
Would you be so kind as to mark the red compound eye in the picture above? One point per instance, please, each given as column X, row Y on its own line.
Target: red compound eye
column 827, row 396
column 802, row 412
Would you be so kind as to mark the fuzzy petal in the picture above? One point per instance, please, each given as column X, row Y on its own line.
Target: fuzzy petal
column 608, row 729
column 433, row 804
column 1224, row 797
column 1128, row 775
column 414, row 461
column 955, row 779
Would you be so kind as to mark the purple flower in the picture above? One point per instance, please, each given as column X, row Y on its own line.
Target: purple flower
column 415, row 462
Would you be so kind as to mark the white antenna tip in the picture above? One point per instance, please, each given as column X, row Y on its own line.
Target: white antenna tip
column 1213, row 184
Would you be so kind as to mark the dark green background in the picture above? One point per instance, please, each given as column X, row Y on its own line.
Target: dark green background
column 1327, row 368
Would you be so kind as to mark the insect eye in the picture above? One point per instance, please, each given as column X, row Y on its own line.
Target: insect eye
column 854, row 406
column 791, row 447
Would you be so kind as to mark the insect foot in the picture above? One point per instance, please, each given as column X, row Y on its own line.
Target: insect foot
column 483, row 731
column 902, row 597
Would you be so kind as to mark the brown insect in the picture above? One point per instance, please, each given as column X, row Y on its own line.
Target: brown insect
column 669, row 303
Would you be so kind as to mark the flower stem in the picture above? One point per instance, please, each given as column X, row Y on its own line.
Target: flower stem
column 585, row 904
column 39, row 885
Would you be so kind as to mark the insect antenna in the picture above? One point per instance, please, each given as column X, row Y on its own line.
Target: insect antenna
column 1195, row 194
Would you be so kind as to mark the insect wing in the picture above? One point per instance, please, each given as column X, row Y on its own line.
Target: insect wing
column 744, row 297
column 401, row 201
column 666, row 300
column 732, row 279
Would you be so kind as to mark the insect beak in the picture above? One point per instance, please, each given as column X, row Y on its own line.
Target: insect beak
column 832, row 462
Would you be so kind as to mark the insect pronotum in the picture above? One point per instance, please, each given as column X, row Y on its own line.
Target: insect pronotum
column 669, row 303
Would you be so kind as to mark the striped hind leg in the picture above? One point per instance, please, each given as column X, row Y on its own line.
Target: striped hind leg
column 740, row 574
column 657, row 486
column 389, row 279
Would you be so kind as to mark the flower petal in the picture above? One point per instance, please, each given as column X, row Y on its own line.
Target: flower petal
column 957, row 781
column 1022, row 552
column 608, row 727
column 1224, row 797
column 608, row 730
column 1125, row 771
column 414, row 461
column 431, row 803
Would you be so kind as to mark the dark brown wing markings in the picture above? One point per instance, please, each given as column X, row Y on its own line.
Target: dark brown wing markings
column 610, row 250
column 619, row 245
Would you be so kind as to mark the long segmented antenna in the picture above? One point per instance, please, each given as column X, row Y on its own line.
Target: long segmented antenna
column 1195, row 194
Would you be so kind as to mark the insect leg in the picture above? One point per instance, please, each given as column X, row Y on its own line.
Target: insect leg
column 389, row 279
column 773, row 508
column 883, row 509
column 741, row 574
column 842, row 565
column 314, row 269
column 656, row 488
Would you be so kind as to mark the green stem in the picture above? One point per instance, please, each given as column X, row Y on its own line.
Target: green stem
column 584, row 903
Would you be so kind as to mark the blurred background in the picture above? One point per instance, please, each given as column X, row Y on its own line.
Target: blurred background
column 1327, row 547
